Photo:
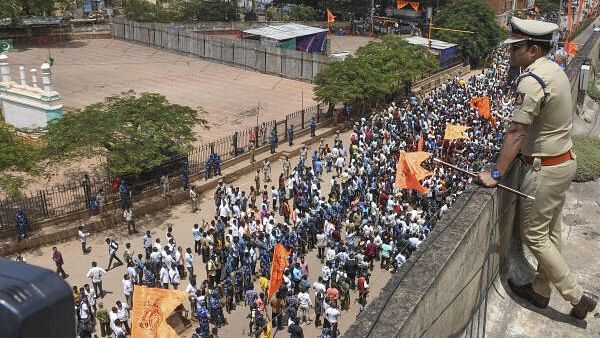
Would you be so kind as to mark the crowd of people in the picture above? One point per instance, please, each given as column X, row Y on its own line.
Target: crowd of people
column 356, row 221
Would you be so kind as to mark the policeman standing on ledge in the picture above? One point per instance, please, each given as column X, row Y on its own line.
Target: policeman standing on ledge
column 541, row 131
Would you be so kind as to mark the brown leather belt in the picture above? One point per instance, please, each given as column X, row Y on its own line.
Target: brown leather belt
column 551, row 160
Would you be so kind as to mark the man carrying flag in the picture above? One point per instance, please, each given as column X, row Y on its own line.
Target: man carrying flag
column 330, row 19
column 278, row 265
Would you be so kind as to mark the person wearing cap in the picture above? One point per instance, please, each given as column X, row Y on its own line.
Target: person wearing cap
column 541, row 131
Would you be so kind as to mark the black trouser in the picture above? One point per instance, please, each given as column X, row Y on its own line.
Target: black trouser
column 131, row 226
column 98, row 289
column 113, row 256
column 60, row 271
column 148, row 251
column 105, row 329
column 277, row 320
column 197, row 247
column 84, row 247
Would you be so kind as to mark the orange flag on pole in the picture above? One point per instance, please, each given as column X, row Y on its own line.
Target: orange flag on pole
column 420, row 143
column 483, row 106
column 151, row 308
column 409, row 171
column 414, row 5
column 455, row 132
column 330, row 16
column 278, row 265
column 401, row 4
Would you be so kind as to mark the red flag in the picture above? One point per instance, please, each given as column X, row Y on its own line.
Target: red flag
column 409, row 171
column 278, row 265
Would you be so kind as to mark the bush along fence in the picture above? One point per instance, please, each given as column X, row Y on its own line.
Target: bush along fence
column 288, row 63
column 64, row 200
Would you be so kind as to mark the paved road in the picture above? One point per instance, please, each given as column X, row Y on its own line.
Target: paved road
column 181, row 219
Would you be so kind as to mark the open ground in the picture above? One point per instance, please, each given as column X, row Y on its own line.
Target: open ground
column 87, row 71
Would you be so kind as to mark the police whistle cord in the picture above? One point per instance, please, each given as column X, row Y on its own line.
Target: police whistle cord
column 502, row 186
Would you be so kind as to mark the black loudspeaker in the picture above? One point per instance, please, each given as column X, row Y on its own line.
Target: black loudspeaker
column 34, row 303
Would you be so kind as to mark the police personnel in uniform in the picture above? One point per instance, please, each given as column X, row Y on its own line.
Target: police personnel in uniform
column 541, row 131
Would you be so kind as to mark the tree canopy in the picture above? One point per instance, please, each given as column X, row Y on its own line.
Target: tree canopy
column 16, row 9
column 182, row 10
column 470, row 15
column 378, row 70
column 132, row 132
column 15, row 155
column 302, row 13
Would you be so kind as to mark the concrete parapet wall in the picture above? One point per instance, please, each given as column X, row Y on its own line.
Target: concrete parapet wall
column 423, row 86
column 440, row 288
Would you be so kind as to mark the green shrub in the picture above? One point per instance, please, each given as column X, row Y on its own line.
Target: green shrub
column 588, row 158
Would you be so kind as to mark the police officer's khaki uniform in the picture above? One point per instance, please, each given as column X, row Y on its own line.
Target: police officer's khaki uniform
column 549, row 117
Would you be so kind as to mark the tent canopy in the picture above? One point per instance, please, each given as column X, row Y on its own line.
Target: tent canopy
column 284, row 32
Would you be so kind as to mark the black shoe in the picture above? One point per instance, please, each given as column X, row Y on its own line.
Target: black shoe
column 586, row 304
column 526, row 292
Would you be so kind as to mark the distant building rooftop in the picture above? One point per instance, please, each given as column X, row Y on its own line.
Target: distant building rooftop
column 284, row 32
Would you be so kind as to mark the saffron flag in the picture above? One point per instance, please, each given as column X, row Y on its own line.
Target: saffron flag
column 455, row 132
column 420, row 143
column 482, row 103
column 571, row 48
column 409, row 171
column 401, row 4
column 151, row 308
column 330, row 16
column 414, row 5
column 278, row 265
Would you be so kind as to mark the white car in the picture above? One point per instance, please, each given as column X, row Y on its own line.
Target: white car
column 340, row 55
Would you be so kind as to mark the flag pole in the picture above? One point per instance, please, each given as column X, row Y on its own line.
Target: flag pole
column 502, row 186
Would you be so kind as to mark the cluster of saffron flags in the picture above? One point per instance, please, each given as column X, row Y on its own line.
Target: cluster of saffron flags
column 409, row 172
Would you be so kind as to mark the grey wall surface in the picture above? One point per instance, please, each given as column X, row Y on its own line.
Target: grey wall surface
column 288, row 63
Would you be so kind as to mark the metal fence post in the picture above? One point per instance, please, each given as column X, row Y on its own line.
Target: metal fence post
column 302, row 119
column 286, row 128
column 256, row 137
column 318, row 112
column 235, row 143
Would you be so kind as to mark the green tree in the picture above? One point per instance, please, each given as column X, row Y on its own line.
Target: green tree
column 302, row 13
column 378, row 70
column 132, row 132
column 548, row 6
column 470, row 15
column 10, row 9
column 142, row 10
column 15, row 156
column 205, row 10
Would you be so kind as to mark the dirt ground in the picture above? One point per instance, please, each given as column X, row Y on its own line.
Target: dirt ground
column 182, row 220
column 87, row 71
